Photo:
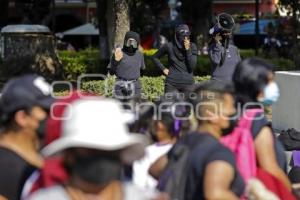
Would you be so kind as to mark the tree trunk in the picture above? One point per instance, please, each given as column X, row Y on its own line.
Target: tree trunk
column 122, row 21
column 114, row 22
column 102, row 24
column 110, row 16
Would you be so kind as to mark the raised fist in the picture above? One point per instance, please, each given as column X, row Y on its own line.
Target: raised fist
column 118, row 54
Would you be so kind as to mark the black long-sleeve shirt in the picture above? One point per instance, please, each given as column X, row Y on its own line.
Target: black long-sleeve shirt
column 180, row 69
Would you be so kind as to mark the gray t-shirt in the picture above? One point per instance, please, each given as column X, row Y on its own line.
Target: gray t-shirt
column 59, row 193
column 129, row 67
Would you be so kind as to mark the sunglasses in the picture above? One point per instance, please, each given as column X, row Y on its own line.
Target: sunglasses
column 131, row 42
column 184, row 32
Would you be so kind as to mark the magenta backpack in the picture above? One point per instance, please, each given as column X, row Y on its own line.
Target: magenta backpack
column 240, row 141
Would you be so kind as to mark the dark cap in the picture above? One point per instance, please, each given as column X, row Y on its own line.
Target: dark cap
column 24, row 92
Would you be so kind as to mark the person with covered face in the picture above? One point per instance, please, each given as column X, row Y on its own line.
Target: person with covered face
column 126, row 64
column 223, row 54
column 24, row 106
column 94, row 154
column 182, row 58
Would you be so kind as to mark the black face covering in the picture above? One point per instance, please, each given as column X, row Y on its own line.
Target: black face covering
column 233, row 120
column 131, row 48
column 181, row 32
column 225, row 40
column 97, row 169
column 42, row 129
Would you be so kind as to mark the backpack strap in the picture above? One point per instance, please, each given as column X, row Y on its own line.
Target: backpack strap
column 247, row 118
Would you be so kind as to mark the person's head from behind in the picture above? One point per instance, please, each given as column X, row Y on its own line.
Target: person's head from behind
column 95, row 143
column 170, row 117
column 93, row 169
column 254, row 82
column 24, row 105
column 214, row 108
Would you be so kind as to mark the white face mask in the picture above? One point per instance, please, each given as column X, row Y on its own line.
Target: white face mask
column 271, row 94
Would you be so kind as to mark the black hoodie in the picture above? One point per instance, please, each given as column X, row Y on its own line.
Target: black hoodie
column 181, row 62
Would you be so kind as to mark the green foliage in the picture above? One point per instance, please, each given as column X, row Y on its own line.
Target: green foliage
column 203, row 67
column 88, row 61
column 246, row 53
column 152, row 87
column 102, row 87
column 199, row 79
column 77, row 63
column 282, row 64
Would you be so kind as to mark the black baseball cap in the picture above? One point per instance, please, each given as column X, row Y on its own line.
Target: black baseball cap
column 24, row 92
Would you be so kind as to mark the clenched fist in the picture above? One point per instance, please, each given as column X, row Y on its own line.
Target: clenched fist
column 118, row 54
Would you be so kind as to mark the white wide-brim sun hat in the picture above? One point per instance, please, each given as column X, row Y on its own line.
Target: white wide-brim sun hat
column 100, row 124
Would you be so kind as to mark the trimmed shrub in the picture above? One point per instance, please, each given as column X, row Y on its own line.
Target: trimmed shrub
column 88, row 61
column 152, row 87
column 77, row 63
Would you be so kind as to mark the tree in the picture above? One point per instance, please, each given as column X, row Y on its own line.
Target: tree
column 102, row 7
column 198, row 14
column 122, row 20
column 146, row 15
column 115, row 17
column 32, row 11
column 114, row 22
column 293, row 7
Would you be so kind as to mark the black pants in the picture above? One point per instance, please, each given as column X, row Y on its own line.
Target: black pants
column 178, row 88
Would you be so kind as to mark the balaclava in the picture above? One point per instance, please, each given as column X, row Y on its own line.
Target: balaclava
column 131, row 42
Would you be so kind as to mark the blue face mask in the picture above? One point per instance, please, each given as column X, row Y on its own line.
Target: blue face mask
column 271, row 94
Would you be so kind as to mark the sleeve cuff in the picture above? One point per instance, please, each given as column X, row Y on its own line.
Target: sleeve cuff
column 189, row 52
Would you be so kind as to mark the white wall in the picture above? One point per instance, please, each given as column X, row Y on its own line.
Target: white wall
column 286, row 112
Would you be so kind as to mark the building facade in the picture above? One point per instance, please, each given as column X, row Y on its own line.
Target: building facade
column 244, row 6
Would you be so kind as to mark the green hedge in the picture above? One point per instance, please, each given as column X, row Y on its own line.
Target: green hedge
column 82, row 62
column 88, row 61
column 152, row 87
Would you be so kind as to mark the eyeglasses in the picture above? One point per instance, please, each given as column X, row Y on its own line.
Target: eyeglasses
column 131, row 42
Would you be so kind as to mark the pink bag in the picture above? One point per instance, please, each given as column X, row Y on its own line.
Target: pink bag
column 240, row 141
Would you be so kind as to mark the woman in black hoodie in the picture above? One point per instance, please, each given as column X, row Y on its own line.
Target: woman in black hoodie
column 182, row 58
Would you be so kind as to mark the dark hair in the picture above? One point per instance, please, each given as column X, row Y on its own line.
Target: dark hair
column 7, row 120
column 171, row 112
column 210, row 91
column 250, row 77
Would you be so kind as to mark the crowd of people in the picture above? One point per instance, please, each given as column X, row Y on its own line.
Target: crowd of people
column 210, row 140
